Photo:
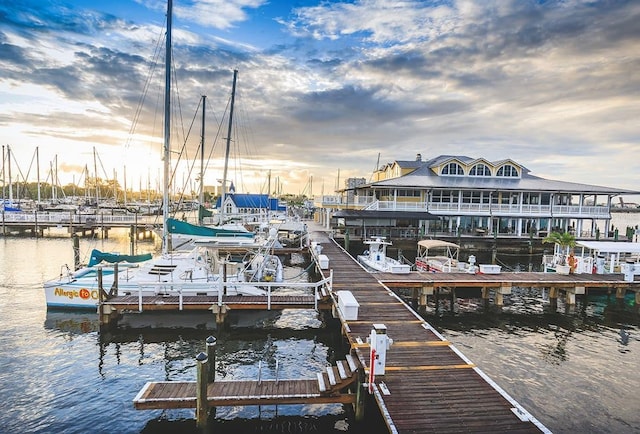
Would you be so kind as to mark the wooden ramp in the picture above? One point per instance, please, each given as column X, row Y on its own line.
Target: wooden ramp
column 328, row 387
column 428, row 386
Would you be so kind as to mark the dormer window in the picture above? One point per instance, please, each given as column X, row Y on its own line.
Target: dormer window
column 507, row 170
column 452, row 169
column 480, row 170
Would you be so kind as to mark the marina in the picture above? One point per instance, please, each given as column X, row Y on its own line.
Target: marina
column 549, row 348
column 240, row 312
column 420, row 368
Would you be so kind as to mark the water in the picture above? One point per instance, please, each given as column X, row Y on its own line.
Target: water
column 60, row 375
column 575, row 370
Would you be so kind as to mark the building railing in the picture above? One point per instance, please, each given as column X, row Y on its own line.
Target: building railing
column 457, row 208
column 66, row 218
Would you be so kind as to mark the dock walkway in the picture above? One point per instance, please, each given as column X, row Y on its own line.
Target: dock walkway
column 428, row 386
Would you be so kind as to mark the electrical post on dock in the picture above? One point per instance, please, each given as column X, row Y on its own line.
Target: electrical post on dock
column 380, row 342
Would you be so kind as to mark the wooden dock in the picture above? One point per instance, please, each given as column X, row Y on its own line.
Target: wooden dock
column 498, row 285
column 212, row 297
column 428, row 385
column 330, row 386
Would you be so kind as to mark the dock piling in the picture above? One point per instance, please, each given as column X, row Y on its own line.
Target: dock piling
column 211, row 355
column 202, row 407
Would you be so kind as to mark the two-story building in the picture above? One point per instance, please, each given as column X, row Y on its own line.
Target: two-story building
column 475, row 196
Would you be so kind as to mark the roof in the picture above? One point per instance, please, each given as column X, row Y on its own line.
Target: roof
column 259, row 201
column 374, row 214
column 424, row 177
column 610, row 246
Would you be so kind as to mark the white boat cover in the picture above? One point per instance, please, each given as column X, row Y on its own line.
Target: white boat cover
column 431, row 244
column 610, row 246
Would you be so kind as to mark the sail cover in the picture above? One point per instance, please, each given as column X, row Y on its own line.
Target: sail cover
column 97, row 256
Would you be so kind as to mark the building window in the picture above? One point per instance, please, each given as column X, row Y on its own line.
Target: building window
column 408, row 193
column 507, row 170
column 480, row 170
column 452, row 169
column 445, row 196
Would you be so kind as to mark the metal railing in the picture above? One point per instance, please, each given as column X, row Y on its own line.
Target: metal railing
column 458, row 208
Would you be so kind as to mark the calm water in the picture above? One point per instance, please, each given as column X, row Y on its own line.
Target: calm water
column 576, row 371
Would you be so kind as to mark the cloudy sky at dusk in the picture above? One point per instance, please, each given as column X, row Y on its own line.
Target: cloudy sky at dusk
column 324, row 86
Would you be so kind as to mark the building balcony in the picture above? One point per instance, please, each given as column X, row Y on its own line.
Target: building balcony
column 471, row 209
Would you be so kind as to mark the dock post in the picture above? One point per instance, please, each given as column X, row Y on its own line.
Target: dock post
column 201, row 391
column 485, row 296
column 220, row 311
column 360, row 396
column 132, row 240
column 76, row 251
column 423, row 300
column 621, row 292
column 553, row 299
column 211, row 355
column 452, row 299
column 346, row 239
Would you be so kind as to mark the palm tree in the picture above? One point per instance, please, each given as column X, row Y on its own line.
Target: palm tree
column 565, row 240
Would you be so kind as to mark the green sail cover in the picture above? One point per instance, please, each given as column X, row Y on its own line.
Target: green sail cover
column 97, row 256
column 180, row 227
column 203, row 212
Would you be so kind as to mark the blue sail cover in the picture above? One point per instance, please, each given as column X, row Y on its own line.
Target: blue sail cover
column 180, row 227
column 97, row 256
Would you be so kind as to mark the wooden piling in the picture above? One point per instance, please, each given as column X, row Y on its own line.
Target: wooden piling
column 360, row 396
column 202, row 406
column 76, row 252
column 211, row 355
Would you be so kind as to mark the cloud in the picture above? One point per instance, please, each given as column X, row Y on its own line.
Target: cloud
column 345, row 81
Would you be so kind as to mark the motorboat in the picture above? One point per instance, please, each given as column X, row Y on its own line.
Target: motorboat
column 595, row 257
column 375, row 257
column 439, row 256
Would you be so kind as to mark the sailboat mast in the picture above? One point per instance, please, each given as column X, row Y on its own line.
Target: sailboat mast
column 38, row 172
column 10, row 180
column 201, row 195
column 167, row 130
column 226, row 156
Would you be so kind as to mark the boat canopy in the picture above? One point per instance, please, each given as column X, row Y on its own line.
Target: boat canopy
column 432, row 244
column 610, row 246
column 97, row 256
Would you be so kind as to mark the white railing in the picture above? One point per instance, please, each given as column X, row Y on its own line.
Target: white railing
column 355, row 201
column 218, row 289
column 493, row 209
column 79, row 219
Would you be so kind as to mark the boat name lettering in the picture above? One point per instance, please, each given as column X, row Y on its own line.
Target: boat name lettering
column 83, row 293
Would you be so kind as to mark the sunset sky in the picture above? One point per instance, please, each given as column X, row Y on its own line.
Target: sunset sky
column 324, row 87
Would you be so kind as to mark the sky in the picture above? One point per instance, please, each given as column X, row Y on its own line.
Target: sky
column 326, row 90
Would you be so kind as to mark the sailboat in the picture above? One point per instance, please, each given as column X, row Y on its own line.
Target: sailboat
column 184, row 233
column 198, row 271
